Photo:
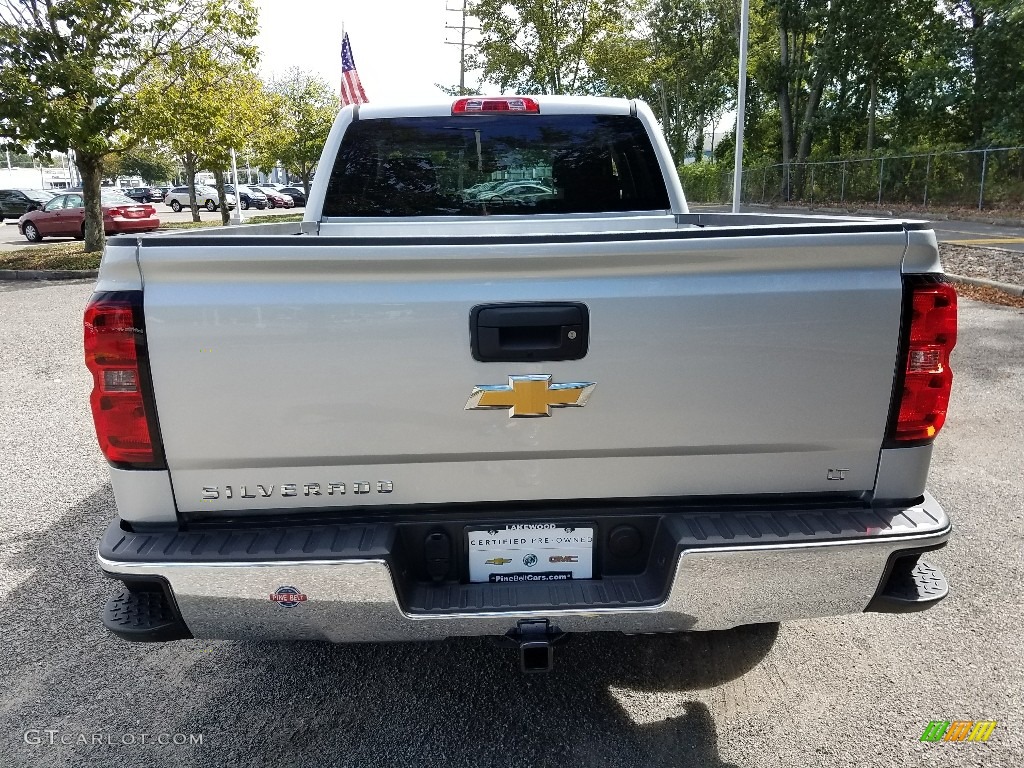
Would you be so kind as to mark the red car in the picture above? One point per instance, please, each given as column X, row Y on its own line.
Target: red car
column 64, row 216
column 276, row 199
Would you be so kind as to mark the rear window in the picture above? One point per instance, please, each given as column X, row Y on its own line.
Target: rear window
column 501, row 164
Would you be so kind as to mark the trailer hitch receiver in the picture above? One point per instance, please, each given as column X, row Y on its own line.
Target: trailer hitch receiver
column 536, row 640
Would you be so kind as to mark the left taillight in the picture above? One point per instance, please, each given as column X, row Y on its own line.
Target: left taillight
column 115, row 355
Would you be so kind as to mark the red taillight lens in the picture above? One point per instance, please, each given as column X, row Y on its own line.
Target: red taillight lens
column 927, row 378
column 476, row 105
column 115, row 211
column 149, row 210
column 117, row 403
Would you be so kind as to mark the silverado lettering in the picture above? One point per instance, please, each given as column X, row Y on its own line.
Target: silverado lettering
column 289, row 490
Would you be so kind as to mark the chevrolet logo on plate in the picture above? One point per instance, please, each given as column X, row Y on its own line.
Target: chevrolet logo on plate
column 527, row 396
column 498, row 561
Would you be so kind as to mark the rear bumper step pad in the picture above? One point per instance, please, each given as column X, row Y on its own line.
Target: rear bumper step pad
column 144, row 617
column 704, row 570
column 912, row 585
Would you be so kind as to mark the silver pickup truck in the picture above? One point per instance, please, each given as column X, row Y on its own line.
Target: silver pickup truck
column 500, row 381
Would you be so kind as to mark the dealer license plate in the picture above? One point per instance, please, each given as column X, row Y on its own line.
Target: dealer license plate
column 531, row 553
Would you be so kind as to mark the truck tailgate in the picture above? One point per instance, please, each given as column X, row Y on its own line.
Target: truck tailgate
column 290, row 369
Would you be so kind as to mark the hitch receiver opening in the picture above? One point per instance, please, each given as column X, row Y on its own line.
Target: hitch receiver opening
column 536, row 640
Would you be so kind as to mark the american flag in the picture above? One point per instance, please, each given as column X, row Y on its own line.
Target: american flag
column 351, row 88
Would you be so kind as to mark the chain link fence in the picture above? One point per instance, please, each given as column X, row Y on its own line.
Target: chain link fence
column 982, row 179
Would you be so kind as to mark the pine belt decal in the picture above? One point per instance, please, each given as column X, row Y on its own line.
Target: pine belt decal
column 530, row 396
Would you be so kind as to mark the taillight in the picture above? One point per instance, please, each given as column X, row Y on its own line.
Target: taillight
column 477, row 104
column 926, row 375
column 149, row 210
column 113, row 337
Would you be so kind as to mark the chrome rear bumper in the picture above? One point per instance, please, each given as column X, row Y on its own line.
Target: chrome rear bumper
column 714, row 585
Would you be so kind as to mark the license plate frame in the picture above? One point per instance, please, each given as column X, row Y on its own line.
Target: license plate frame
column 530, row 553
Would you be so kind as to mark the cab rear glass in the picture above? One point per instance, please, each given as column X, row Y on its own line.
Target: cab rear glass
column 489, row 165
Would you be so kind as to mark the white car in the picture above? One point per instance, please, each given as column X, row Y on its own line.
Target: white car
column 206, row 197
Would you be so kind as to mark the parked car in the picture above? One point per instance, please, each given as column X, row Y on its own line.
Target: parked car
column 15, row 202
column 295, row 193
column 145, row 194
column 472, row 193
column 206, row 197
column 64, row 216
column 249, row 197
column 276, row 199
column 518, row 192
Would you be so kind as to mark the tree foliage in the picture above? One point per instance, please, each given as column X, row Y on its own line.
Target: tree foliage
column 545, row 46
column 70, row 71
column 152, row 162
column 214, row 105
column 826, row 78
column 693, row 77
column 308, row 107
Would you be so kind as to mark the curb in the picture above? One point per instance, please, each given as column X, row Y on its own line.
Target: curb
column 48, row 274
column 1010, row 288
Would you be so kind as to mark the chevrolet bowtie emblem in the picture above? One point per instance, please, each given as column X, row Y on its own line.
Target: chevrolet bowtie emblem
column 498, row 561
column 527, row 396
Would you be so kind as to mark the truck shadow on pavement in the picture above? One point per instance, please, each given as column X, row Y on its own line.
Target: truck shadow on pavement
column 611, row 700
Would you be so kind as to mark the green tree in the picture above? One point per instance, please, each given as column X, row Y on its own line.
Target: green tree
column 545, row 46
column 23, row 160
column 694, row 75
column 153, row 163
column 69, row 72
column 992, row 60
column 214, row 105
column 309, row 106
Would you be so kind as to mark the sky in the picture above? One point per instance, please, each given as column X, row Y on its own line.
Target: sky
column 398, row 45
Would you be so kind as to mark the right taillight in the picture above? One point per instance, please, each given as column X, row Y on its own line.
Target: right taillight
column 113, row 337
column 926, row 375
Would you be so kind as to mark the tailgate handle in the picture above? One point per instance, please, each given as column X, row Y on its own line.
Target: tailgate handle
column 501, row 333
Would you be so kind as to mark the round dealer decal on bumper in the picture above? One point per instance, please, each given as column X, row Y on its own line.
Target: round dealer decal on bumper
column 288, row 597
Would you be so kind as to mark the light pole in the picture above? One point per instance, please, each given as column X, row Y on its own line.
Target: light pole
column 741, row 104
column 236, row 215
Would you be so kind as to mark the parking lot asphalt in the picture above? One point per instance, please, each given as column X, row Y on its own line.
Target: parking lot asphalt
column 847, row 691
